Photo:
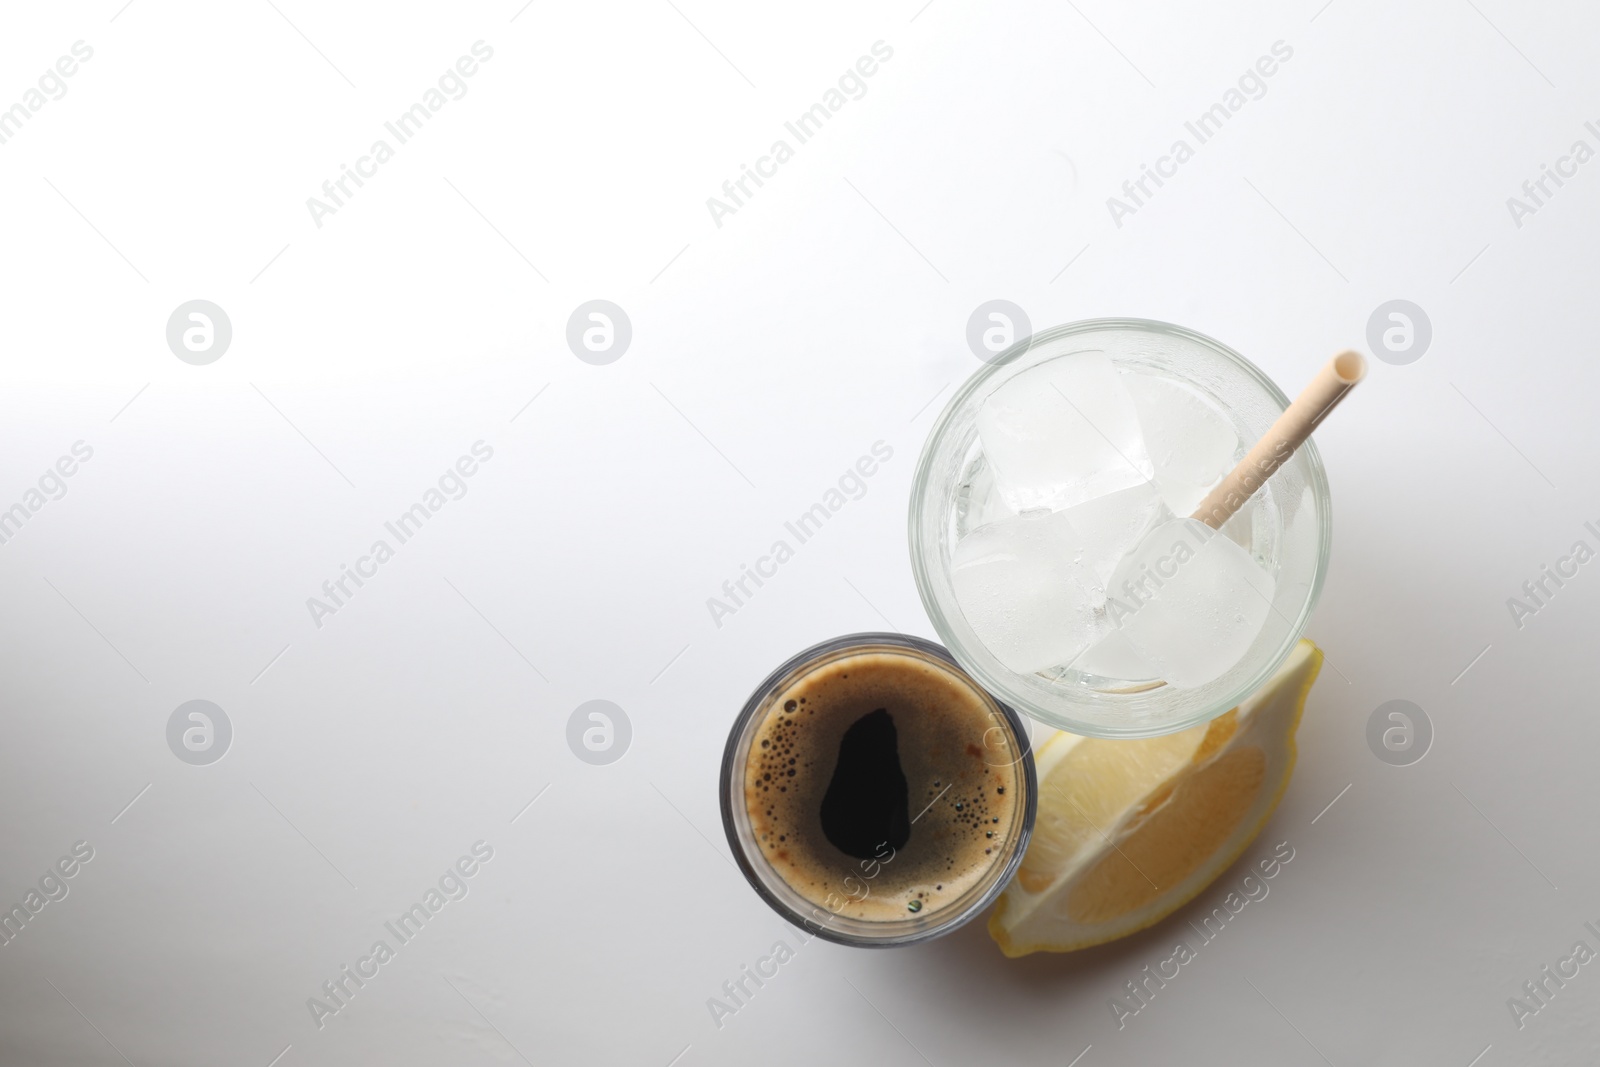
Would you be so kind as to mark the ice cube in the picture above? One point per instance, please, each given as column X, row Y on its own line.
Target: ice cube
column 1179, row 497
column 1191, row 444
column 1063, row 432
column 1190, row 601
column 1241, row 526
column 1023, row 587
column 980, row 502
column 1111, row 526
column 1114, row 656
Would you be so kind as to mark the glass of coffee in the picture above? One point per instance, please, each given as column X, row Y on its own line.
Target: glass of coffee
column 874, row 794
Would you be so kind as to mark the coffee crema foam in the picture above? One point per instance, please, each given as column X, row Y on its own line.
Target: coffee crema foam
column 963, row 789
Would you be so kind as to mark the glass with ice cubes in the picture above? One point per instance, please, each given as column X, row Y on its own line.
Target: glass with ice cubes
column 1051, row 541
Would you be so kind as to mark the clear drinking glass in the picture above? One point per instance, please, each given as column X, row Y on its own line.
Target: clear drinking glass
column 1285, row 527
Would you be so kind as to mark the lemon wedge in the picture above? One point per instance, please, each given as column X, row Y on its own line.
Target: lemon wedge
column 1128, row 831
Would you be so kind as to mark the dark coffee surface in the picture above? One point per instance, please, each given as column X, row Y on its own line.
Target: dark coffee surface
column 876, row 788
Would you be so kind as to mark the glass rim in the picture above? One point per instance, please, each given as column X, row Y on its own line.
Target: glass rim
column 898, row 932
column 1317, row 482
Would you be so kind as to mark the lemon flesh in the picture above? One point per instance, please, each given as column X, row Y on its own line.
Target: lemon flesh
column 1130, row 831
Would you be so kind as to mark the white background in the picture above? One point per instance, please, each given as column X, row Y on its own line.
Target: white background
column 768, row 354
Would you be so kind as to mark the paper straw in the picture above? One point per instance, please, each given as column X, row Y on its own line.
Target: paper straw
column 1336, row 378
